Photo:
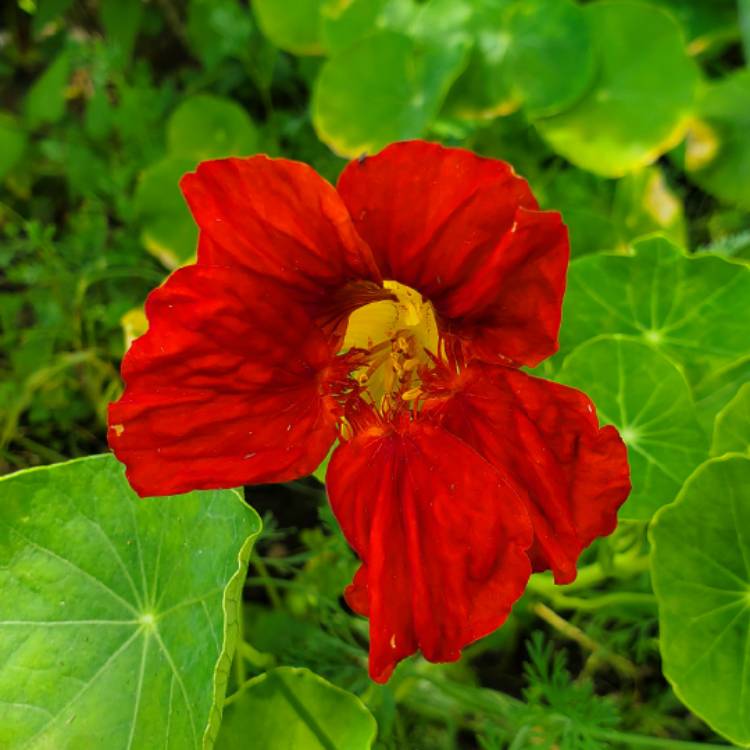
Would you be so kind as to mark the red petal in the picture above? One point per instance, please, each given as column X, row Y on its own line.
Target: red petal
column 223, row 389
column 546, row 437
column 465, row 232
column 279, row 218
column 442, row 537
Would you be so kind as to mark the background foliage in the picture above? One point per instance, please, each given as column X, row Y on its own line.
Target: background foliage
column 630, row 117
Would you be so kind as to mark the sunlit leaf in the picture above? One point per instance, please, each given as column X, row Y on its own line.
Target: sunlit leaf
column 629, row 117
column 119, row 615
column 485, row 88
column 701, row 575
column 293, row 26
column 647, row 398
column 294, row 709
column 732, row 429
column 210, row 127
column 541, row 31
column 385, row 88
column 694, row 309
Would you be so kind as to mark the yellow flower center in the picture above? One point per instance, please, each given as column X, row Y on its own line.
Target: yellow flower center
column 397, row 336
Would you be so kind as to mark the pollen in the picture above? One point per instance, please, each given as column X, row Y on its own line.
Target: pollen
column 119, row 429
column 397, row 338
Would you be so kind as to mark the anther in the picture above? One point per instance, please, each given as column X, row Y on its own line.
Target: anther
column 412, row 394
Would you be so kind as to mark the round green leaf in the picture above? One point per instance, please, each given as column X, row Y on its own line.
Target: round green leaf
column 345, row 23
column 294, row 709
column 717, row 154
column 485, row 88
column 209, row 127
column 545, row 30
column 385, row 88
column 732, row 429
column 642, row 95
column 706, row 24
column 293, row 26
column 700, row 562
column 692, row 308
column 12, row 142
column 119, row 615
column 168, row 229
column 647, row 398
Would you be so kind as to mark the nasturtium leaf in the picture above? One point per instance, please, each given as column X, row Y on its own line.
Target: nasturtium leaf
column 485, row 88
column 385, row 88
column 647, row 398
column 700, row 561
column 717, row 150
column 706, row 24
column 168, row 230
column 12, row 142
column 293, row 26
column 551, row 58
column 692, row 308
column 732, row 428
column 630, row 115
column 295, row 709
column 219, row 29
column 210, row 127
column 744, row 21
column 345, row 23
column 45, row 100
column 119, row 615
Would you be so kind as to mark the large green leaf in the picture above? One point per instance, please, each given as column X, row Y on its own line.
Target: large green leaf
column 732, row 430
column 545, row 30
column 210, row 127
column 631, row 115
column 168, row 229
column 385, row 88
column 717, row 154
column 694, row 309
column 294, row 709
column 293, row 26
column 700, row 562
column 118, row 616
column 486, row 87
column 646, row 397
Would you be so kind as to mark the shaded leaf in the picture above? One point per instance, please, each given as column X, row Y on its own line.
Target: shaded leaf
column 294, row 709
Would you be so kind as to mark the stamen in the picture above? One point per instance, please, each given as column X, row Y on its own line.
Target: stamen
column 412, row 394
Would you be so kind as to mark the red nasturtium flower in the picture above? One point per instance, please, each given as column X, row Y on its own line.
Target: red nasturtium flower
column 392, row 313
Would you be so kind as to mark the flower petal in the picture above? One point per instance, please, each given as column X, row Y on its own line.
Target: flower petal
column 224, row 389
column 464, row 231
column 442, row 537
column 546, row 438
column 279, row 218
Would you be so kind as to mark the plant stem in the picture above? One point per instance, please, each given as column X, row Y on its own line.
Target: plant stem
column 268, row 582
column 621, row 664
